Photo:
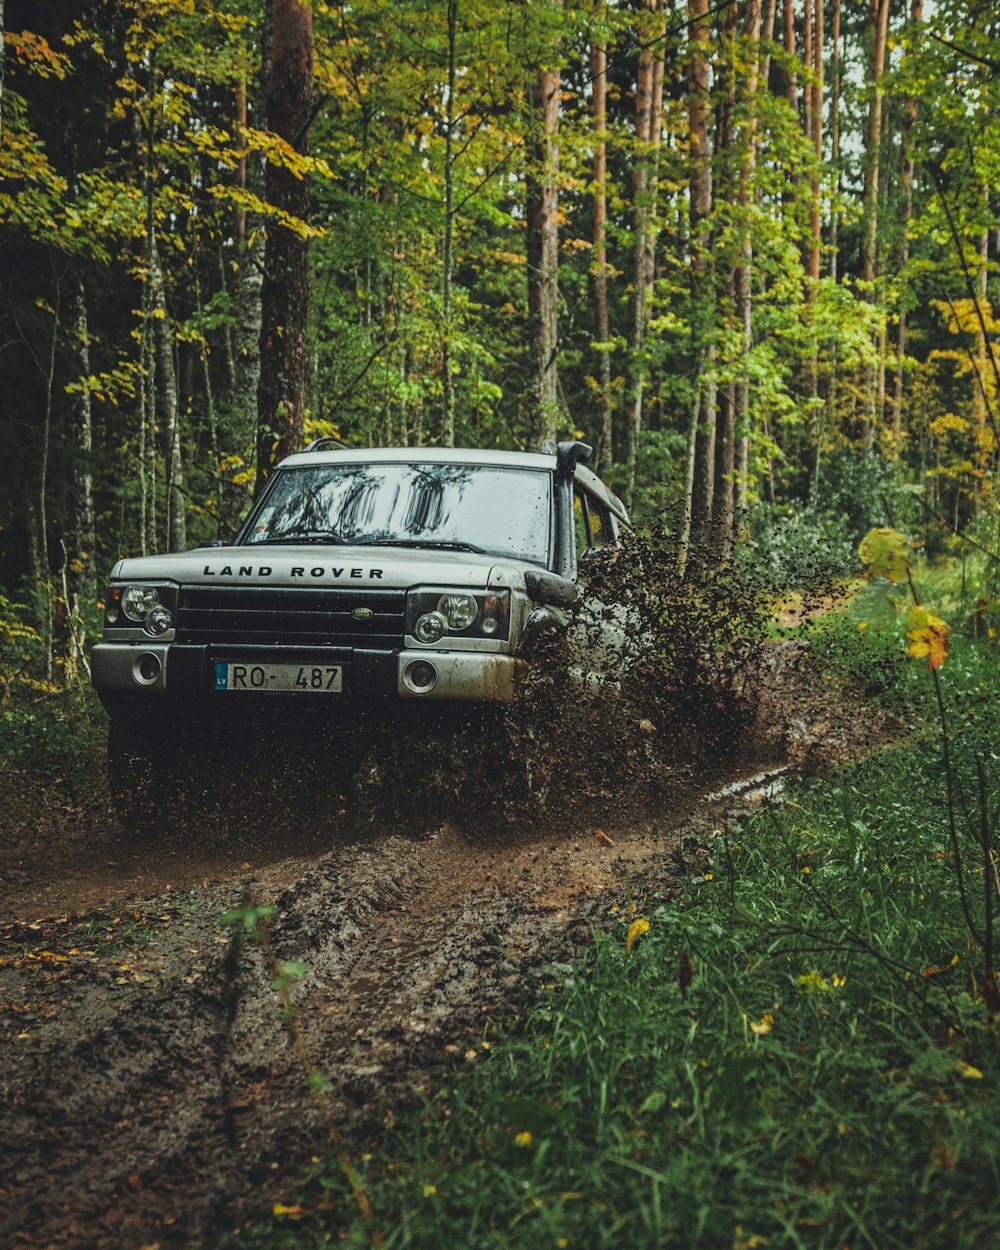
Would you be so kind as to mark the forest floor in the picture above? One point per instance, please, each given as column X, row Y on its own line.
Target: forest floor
column 152, row 1093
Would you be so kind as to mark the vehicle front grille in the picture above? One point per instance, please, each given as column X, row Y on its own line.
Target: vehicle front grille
column 289, row 615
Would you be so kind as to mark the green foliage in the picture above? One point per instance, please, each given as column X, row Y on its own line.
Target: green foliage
column 799, row 550
column 794, row 1049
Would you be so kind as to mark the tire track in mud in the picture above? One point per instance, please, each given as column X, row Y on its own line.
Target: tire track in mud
column 169, row 1110
column 148, row 1115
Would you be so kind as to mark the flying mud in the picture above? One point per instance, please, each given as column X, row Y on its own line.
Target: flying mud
column 153, row 1093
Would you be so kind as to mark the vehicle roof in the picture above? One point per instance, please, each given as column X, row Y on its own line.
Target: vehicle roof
column 421, row 455
column 451, row 455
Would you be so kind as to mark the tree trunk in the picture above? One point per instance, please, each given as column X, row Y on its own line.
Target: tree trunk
column 166, row 377
column 906, row 179
column 281, row 397
column 602, row 331
column 700, row 474
column 447, row 385
column 744, row 290
column 725, row 447
column 641, row 214
column 542, row 205
column 873, row 136
column 85, row 578
column 816, row 91
column 2, row 60
column 835, row 140
column 979, row 383
column 791, row 79
column 873, row 147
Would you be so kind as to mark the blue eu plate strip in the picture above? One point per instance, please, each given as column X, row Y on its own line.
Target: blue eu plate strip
column 221, row 673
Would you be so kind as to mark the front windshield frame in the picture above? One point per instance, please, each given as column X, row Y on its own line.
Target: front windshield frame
column 244, row 537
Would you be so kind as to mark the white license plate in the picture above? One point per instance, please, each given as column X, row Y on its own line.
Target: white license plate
column 291, row 678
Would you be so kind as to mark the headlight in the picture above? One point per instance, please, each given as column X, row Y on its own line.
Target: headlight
column 136, row 601
column 458, row 610
column 153, row 607
column 433, row 614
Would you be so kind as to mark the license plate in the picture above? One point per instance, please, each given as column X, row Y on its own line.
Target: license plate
column 289, row 678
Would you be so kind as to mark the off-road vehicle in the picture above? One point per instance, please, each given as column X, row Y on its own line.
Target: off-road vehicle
column 361, row 581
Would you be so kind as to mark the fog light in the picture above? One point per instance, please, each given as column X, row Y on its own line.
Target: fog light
column 146, row 669
column 420, row 677
column 489, row 625
column 431, row 627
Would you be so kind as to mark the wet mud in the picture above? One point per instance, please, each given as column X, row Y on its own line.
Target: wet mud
column 152, row 1093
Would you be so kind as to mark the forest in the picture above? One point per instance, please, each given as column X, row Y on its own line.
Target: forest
column 744, row 250
column 711, row 965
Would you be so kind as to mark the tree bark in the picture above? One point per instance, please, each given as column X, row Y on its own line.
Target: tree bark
column 907, row 165
column 602, row 331
column 641, row 216
column 447, row 385
column 2, row 64
column 791, row 78
column 281, row 397
column 700, row 477
column 816, row 91
column 85, row 578
column 835, row 140
column 744, row 289
column 166, row 377
column 873, row 137
column 873, row 147
column 542, row 214
column 725, row 446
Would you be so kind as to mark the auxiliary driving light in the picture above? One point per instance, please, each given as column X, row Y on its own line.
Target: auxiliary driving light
column 431, row 627
column 158, row 620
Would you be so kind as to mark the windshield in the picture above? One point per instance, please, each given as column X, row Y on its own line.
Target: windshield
column 466, row 507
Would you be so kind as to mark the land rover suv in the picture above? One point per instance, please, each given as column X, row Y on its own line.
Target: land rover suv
column 359, row 578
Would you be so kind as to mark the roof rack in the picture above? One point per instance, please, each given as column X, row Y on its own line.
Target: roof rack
column 328, row 441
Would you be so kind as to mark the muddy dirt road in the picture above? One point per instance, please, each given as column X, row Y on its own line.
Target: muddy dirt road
column 151, row 1093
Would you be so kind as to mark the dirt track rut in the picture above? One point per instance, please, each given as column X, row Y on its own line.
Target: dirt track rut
column 151, row 1094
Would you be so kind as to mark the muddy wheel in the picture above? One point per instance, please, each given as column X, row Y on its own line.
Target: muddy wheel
column 141, row 760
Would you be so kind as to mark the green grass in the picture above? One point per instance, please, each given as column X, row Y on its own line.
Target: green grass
column 828, row 1079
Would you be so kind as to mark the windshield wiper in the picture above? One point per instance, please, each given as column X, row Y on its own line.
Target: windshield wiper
column 306, row 536
column 435, row 544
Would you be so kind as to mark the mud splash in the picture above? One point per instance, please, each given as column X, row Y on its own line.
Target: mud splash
column 151, row 1091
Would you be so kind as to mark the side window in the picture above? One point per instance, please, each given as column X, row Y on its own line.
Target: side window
column 593, row 528
column 580, row 522
column 598, row 524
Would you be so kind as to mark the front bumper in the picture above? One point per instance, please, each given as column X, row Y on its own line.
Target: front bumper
column 188, row 671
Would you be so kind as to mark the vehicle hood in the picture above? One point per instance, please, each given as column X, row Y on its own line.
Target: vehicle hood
column 316, row 565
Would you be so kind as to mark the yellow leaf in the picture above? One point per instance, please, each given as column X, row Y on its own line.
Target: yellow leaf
column 635, row 930
column 928, row 636
column 524, row 1139
column 289, row 1213
column 968, row 1071
column 884, row 552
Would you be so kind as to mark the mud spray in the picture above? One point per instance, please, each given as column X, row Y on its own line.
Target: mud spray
column 424, row 876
